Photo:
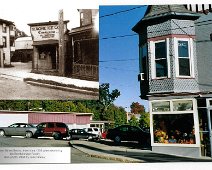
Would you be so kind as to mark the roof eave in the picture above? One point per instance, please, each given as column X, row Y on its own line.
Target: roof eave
column 191, row 16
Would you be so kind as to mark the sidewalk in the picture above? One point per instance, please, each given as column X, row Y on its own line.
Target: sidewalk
column 105, row 150
column 22, row 71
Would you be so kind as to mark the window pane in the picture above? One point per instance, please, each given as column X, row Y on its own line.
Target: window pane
column 174, row 128
column 183, row 105
column 161, row 68
column 184, row 67
column 183, row 48
column 161, row 106
column 160, row 50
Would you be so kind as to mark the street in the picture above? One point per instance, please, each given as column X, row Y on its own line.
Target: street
column 16, row 90
column 76, row 155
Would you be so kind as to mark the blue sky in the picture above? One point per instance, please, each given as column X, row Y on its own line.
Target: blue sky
column 121, row 73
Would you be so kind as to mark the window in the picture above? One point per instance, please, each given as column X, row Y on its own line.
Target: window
column 12, row 42
column 173, row 121
column 4, row 40
column 143, row 60
column 160, row 59
column 50, row 125
column 168, row 128
column 159, row 54
column 184, row 57
column 162, row 106
column 182, row 105
column 4, row 28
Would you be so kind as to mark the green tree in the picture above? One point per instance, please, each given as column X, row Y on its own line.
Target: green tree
column 133, row 121
column 144, row 121
column 106, row 98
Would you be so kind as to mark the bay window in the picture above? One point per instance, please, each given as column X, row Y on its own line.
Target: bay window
column 160, row 59
column 184, row 57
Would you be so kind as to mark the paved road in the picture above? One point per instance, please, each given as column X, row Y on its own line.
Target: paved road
column 76, row 155
column 16, row 89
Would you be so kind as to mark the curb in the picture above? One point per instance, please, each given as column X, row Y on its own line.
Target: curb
column 108, row 156
column 63, row 88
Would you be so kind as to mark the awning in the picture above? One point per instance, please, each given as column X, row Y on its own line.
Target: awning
column 45, row 42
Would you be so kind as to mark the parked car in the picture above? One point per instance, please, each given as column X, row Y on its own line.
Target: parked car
column 58, row 130
column 81, row 134
column 19, row 129
column 128, row 133
column 94, row 130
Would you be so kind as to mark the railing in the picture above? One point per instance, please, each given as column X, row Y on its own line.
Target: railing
column 85, row 71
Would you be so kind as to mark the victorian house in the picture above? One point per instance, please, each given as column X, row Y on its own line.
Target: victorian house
column 7, row 42
column 175, row 77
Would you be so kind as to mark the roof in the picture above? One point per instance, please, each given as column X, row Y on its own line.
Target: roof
column 43, row 112
column 6, row 22
column 47, row 23
column 24, row 39
column 164, row 12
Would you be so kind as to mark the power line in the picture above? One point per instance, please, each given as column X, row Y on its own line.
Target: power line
column 120, row 69
column 118, row 36
column 123, row 11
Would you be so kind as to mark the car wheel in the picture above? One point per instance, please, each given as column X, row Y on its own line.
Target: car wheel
column 28, row 134
column 117, row 139
column 2, row 133
column 57, row 136
column 90, row 138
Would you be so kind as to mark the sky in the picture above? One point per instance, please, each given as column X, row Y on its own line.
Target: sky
column 23, row 12
column 119, row 56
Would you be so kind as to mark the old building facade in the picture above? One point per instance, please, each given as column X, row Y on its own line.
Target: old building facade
column 80, row 48
column 7, row 42
column 173, row 76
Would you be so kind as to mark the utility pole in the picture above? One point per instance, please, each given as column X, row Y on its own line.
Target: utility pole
column 61, row 44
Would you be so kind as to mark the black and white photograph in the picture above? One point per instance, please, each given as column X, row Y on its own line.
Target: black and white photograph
column 49, row 53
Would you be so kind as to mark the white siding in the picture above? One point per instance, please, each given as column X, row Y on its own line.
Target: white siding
column 8, row 119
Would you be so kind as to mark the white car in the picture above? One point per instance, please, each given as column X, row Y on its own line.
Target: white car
column 94, row 130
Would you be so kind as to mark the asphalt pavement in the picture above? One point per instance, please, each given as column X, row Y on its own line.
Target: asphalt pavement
column 128, row 152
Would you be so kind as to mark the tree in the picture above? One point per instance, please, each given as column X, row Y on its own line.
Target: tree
column 137, row 108
column 133, row 121
column 144, row 121
column 106, row 98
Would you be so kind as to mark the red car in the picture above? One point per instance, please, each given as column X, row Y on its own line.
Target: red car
column 58, row 130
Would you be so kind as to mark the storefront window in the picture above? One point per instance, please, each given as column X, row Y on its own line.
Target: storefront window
column 163, row 106
column 174, row 128
column 183, row 105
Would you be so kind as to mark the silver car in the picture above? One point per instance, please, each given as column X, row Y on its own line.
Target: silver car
column 19, row 129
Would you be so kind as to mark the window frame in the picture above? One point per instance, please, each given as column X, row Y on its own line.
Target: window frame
column 4, row 28
column 190, row 57
column 153, row 59
column 195, row 117
column 4, row 43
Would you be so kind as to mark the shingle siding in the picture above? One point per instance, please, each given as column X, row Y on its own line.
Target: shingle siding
column 204, row 52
